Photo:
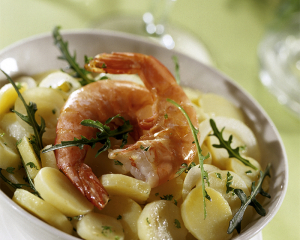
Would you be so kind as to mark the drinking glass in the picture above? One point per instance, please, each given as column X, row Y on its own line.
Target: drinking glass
column 154, row 24
column 279, row 55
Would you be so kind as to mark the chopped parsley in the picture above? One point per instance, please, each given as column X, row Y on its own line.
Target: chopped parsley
column 177, row 223
column 218, row 175
column 10, row 170
column 185, row 168
column 168, row 197
column 144, row 148
column 106, row 230
column 118, row 162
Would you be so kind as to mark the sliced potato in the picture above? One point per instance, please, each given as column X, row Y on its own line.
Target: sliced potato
column 49, row 102
column 31, row 161
column 171, row 188
column 218, row 181
column 205, row 151
column 8, row 96
column 248, row 174
column 60, row 80
column 48, row 159
column 216, row 105
column 42, row 210
column 31, row 83
column 40, row 76
column 214, row 226
column 193, row 178
column 161, row 220
column 12, row 127
column 56, row 189
column 123, row 77
column 242, row 136
column 118, row 184
column 99, row 226
column 126, row 211
column 102, row 164
column 194, row 95
column 17, row 176
column 9, row 156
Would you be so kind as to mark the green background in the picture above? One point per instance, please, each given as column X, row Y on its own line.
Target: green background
column 230, row 29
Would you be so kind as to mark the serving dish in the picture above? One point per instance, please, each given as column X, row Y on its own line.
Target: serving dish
column 38, row 54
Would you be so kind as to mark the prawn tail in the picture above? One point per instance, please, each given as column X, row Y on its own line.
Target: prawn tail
column 93, row 189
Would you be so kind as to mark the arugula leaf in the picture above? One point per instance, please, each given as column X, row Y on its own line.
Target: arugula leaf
column 226, row 145
column 120, row 133
column 229, row 179
column 63, row 47
column 199, row 150
column 235, row 222
column 31, row 109
column 14, row 185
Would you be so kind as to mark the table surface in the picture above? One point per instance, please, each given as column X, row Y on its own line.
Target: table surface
column 230, row 30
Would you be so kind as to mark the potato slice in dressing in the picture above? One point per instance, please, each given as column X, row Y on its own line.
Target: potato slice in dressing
column 215, row 225
column 218, row 181
column 42, row 210
column 99, row 226
column 242, row 136
column 216, row 105
column 8, row 96
column 49, row 102
column 12, row 127
column 118, row 184
column 48, row 159
column 248, row 174
column 56, row 189
column 161, row 220
column 193, row 178
column 171, row 188
column 126, row 211
column 31, row 160
column 9, row 156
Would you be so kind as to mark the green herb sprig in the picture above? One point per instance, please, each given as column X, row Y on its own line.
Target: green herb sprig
column 235, row 223
column 63, row 47
column 226, row 145
column 199, row 150
column 14, row 185
column 31, row 109
column 120, row 133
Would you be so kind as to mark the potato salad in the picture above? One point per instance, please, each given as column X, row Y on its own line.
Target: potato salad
column 206, row 198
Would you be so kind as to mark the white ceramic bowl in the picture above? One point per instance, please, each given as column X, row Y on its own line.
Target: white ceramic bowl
column 38, row 54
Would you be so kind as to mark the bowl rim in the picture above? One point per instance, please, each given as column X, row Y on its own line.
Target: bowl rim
column 144, row 40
